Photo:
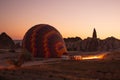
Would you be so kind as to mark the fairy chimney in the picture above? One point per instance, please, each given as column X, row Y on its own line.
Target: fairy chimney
column 94, row 34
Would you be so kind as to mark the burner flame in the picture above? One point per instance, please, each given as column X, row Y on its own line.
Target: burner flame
column 89, row 57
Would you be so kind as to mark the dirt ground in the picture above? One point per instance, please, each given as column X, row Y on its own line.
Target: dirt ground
column 65, row 70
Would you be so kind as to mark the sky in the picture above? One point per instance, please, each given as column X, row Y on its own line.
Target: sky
column 70, row 17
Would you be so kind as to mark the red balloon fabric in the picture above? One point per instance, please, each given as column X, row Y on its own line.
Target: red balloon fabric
column 44, row 41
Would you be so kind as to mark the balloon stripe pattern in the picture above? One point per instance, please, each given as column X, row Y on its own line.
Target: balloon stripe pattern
column 44, row 41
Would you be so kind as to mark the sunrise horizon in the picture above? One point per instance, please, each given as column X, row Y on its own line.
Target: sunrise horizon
column 17, row 38
column 70, row 18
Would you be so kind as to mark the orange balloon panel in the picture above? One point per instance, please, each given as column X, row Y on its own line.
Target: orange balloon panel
column 44, row 41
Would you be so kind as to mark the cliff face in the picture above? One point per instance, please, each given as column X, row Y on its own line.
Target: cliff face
column 6, row 42
column 91, row 44
column 72, row 44
column 110, row 43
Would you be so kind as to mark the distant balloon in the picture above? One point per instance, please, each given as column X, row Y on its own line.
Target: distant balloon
column 44, row 41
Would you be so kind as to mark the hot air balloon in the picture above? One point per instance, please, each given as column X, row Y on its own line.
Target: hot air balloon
column 44, row 41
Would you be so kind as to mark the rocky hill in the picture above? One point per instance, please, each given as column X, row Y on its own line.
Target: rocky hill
column 6, row 42
column 92, row 44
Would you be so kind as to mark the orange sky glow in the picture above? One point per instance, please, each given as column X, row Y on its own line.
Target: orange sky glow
column 71, row 17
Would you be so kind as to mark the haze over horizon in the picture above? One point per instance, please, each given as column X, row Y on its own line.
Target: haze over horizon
column 70, row 17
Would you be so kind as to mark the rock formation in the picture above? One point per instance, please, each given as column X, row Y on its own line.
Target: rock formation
column 92, row 44
column 108, row 44
column 94, row 34
column 89, row 44
column 6, row 42
column 72, row 43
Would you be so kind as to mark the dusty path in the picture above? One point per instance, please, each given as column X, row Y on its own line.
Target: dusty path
column 4, row 65
column 46, row 61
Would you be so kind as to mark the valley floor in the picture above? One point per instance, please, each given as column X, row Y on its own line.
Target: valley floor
column 58, row 69
column 65, row 70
